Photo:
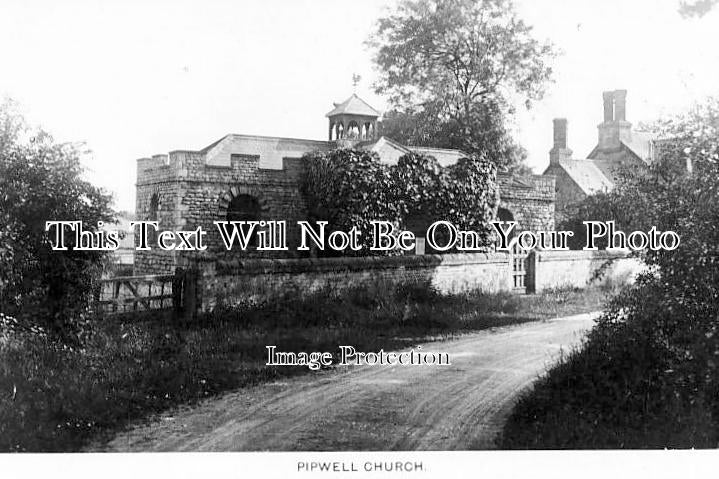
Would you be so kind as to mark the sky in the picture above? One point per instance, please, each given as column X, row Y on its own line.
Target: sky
column 137, row 78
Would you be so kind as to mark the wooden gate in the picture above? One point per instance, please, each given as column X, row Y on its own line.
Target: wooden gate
column 124, row 294
column 518, row 259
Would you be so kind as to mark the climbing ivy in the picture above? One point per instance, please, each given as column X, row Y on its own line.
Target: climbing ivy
column 348, row 187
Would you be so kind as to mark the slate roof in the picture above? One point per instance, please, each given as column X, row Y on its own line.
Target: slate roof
column 641, row 145
column 586, row 175
column 353, row 105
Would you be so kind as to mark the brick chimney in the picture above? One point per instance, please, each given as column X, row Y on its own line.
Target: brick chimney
column 615, row 126
column 559, row 150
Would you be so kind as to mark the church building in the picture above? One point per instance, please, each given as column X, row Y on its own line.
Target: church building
column 243, row 177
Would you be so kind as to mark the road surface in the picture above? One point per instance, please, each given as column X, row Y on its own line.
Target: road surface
column 457, row 407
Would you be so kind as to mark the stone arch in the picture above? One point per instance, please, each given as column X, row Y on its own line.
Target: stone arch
column 503, row 214
column 243, row 203
column 242, row 190
column 243, row 208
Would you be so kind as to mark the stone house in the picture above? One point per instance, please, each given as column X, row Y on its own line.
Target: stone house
column 242, row 177
column 618, row 146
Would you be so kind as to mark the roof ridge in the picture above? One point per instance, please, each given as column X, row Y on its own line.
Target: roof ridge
column 364, row 108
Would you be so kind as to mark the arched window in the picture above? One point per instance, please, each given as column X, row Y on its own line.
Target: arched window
column 152, row 215
column 244, row 208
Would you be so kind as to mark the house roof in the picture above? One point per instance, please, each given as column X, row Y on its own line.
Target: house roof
column 641, row 145
column 586, row 175
column 445, row 157
column 389, row 141
column 353, row 105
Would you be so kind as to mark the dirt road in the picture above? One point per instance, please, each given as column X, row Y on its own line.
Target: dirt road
column 455, row 407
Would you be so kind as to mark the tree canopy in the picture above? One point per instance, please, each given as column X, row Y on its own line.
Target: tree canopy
column 41, row 180
column 452, row 69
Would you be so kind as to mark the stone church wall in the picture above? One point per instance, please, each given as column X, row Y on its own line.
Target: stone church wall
column 530, row 200
column 193, row 194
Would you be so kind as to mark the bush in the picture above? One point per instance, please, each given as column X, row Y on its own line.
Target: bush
column 42, row 181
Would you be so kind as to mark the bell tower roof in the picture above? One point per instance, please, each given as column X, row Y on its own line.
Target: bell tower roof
column 353, row 105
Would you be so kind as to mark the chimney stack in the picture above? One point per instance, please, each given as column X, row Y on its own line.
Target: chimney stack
column 620, row 105
column 615, row 128
column 608, row 97
column 559, row 150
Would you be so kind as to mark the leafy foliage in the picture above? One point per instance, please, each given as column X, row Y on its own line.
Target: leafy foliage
column 452, row 69
column 40, row 180
column 649, row 373
column 421, row 185
column 349, row 187
column 472, row 195
column 696, row 8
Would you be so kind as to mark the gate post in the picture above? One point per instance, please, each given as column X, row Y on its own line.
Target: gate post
column 190, row 293
column 531, row 277
column 178, row 283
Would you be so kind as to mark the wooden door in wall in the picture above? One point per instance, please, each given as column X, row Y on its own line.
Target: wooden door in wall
column 518, row 260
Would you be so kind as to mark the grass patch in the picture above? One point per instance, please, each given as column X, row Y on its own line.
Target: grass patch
column 57, row 399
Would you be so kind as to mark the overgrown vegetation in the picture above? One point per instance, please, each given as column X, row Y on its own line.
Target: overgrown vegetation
column 350, row 188
column 648, row 376
column 41, row 180
column 53, row 398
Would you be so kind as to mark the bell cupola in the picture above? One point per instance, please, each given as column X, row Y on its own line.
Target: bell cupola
column 352, row 121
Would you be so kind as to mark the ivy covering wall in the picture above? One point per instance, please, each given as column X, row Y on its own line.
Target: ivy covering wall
column 348, row 187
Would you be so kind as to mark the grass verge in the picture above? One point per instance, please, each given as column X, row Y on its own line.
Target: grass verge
column 56, row 399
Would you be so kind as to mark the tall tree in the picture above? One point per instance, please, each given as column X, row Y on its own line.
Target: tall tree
column 41, row 180
column 452, row 69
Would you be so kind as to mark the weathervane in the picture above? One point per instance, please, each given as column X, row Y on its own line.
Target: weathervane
column 355, row 80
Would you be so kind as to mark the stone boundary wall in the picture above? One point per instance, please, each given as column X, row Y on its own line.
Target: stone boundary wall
column 227, row 282
column 558, row 269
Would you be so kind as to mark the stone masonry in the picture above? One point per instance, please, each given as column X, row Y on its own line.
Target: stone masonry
column 187, row 189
